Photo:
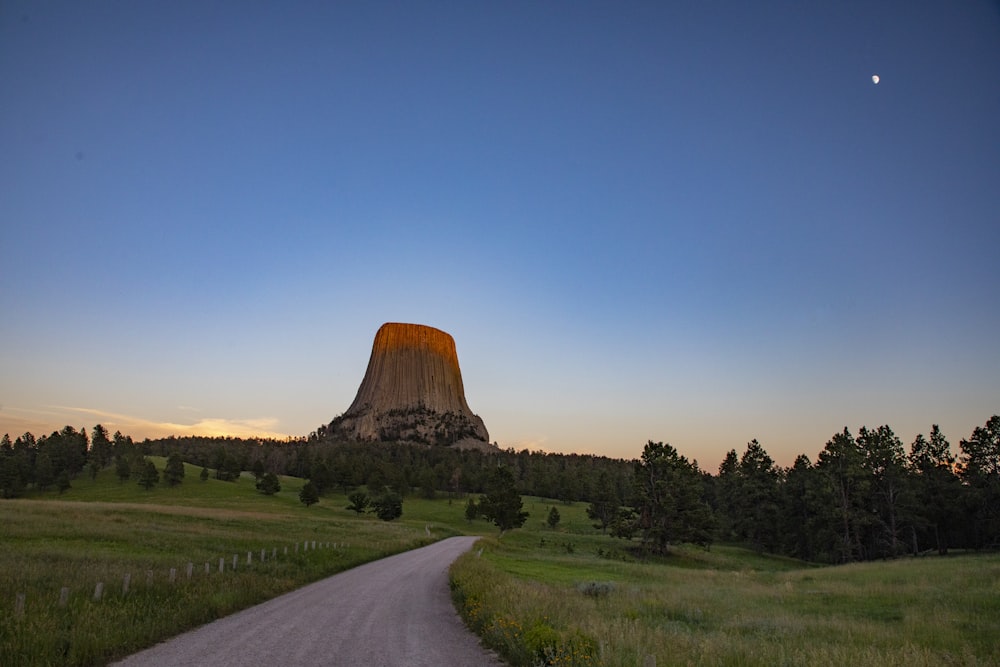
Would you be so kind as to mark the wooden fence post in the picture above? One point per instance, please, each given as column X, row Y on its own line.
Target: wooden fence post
column 19, row 605
column 173, row 574
column 98, row 591
column 190, row 569
column 207, row 569
column 234, row 562
column 222, row 565
column 262, row 551
column 63, row 596
column 125, row 582
column 249, row 558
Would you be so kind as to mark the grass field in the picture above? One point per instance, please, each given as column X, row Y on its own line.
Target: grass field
column 575, row 598
column 568, row 596
column 103, row 530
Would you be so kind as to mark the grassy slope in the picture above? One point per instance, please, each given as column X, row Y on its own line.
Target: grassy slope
column 526, row 595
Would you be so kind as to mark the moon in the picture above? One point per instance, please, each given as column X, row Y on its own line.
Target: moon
column 875, row 79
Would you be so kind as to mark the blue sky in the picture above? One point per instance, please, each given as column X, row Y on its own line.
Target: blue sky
column 695, row 222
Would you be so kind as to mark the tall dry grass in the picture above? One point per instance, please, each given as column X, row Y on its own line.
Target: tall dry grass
column 685, row 611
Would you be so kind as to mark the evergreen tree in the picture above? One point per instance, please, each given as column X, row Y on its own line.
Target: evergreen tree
column 726, row 494
column 388, row 506
column 756, row 494
column 204, row 475
column 980, row 462
column 670, row 508
column 308, row 495
column 885, row 464
column 938, row 492
column 45, row 473
column 847, row 484
column 321, row 476
column 553, row 519
column 11, row 484
column 100, row 447
column 122, row 468
column 605, row 506
column 149, row 477
column 173, row 473
column 800, row 500
column 62, row 482
column 502, row 504
column 471, row 510
column 427, row 484
column 359, row 502
column 269, row 484
column 122, row 445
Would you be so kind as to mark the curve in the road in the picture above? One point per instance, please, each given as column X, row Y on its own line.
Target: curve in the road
column 393, row 612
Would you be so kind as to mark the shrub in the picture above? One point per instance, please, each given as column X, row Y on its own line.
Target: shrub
column 269, row 484
column 388, row 506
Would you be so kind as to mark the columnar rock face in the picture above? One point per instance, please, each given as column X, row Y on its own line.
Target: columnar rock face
column 412, row 392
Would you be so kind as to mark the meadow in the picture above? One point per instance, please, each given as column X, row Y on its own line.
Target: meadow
column 101, row 531
column 563, row 596
column 573, row 597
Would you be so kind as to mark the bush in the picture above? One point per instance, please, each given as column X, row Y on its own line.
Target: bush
column 359, row 502
column 269, row 484
column 388, row 506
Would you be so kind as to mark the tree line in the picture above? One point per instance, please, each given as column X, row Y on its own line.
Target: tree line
column 865, row 497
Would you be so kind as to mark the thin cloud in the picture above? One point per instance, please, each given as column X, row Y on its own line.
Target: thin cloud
column 55, row 417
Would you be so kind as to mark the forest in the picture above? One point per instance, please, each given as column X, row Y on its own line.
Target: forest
column 864, row 497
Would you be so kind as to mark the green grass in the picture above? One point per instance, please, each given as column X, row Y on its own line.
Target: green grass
column 102, row 530
column 569, row 596
column 538, row 601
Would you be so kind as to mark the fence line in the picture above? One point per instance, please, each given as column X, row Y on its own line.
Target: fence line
column 20, row 600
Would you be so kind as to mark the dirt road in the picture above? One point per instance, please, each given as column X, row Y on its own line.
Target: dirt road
column 392, row 612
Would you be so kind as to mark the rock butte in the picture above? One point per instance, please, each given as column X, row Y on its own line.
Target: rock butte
column 412, row 392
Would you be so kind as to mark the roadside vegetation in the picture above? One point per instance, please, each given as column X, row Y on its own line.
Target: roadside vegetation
column 574, row 597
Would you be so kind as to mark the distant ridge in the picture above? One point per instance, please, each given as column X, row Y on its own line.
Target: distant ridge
column 412, row 392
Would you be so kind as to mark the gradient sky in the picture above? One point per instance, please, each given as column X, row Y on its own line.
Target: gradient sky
column 698, row 222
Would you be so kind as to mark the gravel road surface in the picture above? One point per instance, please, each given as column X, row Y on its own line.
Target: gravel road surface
column 393, row 612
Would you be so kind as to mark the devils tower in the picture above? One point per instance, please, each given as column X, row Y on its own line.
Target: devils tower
column 412, row 392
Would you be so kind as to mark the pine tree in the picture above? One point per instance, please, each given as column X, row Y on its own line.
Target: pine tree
column 502, row 504
column 308, row 495
column 173, row 473
column 269, row 484
column 149, row 477
column 122, row 468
